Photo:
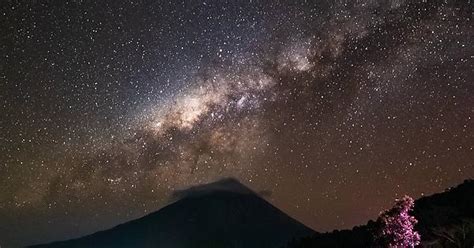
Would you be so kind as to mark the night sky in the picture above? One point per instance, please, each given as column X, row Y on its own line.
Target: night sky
column 333, row 109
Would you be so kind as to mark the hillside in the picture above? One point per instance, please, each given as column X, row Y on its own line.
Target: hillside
column 445, row 220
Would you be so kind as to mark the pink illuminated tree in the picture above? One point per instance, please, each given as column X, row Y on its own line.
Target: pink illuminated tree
column 396, row 226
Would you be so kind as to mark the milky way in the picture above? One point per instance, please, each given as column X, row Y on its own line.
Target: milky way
column 336, row 108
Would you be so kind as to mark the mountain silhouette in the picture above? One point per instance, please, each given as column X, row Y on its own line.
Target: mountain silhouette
column 221, row 214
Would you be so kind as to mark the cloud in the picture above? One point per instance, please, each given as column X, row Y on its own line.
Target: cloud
column 223, row 185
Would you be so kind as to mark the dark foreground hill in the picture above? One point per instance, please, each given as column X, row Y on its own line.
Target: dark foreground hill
column 222, row 214
column 445, row 220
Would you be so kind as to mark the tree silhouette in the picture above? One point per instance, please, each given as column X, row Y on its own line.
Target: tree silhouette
column 396, row 226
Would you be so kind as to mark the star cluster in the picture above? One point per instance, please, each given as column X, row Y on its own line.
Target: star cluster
column 108, row 108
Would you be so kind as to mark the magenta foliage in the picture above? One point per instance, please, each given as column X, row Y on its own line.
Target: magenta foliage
column 397, row 226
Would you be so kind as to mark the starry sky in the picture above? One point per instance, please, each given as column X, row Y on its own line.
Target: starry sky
column 334, row 108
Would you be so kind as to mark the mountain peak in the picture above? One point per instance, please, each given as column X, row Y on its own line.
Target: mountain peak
column 228, row 214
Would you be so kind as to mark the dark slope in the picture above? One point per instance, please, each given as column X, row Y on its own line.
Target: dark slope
column 449, row 213
column 222, row 214
column 445, row 220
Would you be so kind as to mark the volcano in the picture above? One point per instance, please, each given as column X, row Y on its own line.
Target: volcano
column 221, row 214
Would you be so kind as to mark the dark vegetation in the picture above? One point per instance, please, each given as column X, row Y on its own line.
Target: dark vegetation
column 445, row 220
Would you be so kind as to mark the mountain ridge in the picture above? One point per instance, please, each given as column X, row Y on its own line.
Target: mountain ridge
column 445, row 220
column 227, row 214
